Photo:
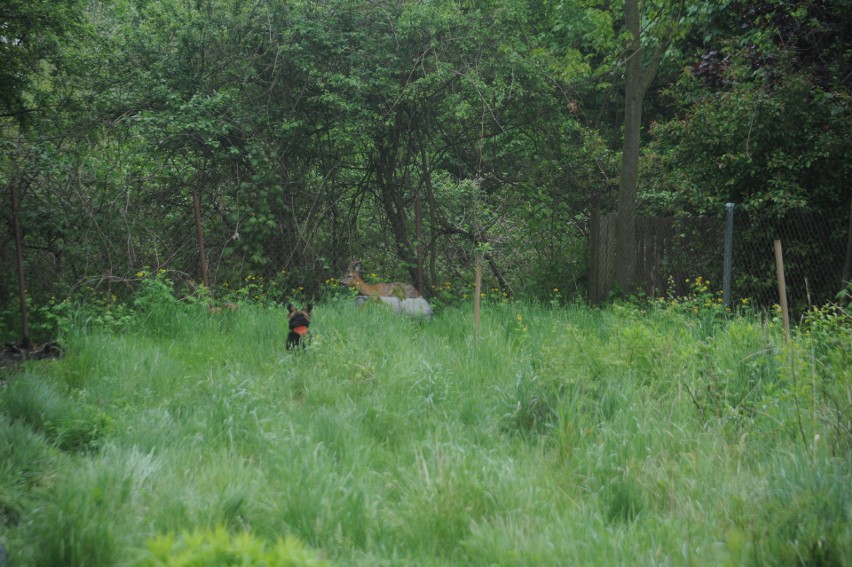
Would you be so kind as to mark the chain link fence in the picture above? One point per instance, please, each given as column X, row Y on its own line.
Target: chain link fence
column 814, row 254
column 105, row 246
column 673, row 252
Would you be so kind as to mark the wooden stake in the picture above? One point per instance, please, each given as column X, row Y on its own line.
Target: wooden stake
column 782, row 288
column 808, row 291
column 477, row 295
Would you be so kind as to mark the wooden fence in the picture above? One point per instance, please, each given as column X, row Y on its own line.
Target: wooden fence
column 668, row 251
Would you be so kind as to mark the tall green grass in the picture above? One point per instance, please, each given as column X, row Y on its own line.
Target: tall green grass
column 567, row 436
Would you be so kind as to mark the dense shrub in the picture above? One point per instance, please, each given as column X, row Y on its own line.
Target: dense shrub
column 218, row 548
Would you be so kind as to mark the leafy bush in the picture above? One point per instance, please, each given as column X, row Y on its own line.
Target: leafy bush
column 157, row 306
column 217, row 547
column 828, row 330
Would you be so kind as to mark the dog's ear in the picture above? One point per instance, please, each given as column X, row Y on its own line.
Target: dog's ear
column 290, row 308
column 309, row 308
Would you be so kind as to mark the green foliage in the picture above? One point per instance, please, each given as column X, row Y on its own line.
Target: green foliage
column 534, row 405
column 25, row 458
column 700, row 300
column 735, row 131
column 86, row 521
column 157, row 307
column 740, row 93
column 803, row 517
column 33, row 36
column 311, row 132
column 623, row 501
column 218, row 547
column 829, row 329
column 826, row 336
column 66, row 419
column 387, row 440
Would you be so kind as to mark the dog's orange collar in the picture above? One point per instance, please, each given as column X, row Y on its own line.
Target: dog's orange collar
column 302, row 330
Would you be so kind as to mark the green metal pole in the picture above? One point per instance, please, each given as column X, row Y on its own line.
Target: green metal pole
column 729, row 245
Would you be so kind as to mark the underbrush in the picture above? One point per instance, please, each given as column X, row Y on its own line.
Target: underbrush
column 169, row 434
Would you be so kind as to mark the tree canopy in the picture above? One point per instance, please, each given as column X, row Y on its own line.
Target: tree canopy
column 406, row 133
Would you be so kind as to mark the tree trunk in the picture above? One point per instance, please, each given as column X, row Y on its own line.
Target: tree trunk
column 428, row 251
column 498, row 275
column 420, row 282
column 19, row 261
column 625, row 247
column 390, row 190
column 637, row 80
column 847, row 265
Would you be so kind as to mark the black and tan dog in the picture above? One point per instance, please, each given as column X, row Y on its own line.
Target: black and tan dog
column 299, row 321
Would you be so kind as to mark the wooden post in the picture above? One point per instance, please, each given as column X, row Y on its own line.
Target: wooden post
column 418, row 234
column 477, row 295
column 196, row 202
column 782, row 288
column 19, row 247
column 808, row 291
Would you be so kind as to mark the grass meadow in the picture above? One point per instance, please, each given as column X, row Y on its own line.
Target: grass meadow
column 625, row 435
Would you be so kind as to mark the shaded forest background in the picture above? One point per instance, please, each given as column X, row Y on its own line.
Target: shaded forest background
column 412, row 135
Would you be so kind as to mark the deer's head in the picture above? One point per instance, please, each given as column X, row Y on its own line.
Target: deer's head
column 352, row 278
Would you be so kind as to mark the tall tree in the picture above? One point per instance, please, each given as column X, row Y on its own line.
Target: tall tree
column 31, row 41
column 638, row 77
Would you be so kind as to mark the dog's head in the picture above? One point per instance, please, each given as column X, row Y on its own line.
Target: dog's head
column 299, row 317
column 298, row 320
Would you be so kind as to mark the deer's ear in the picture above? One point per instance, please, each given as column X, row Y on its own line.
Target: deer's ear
column 357, row 266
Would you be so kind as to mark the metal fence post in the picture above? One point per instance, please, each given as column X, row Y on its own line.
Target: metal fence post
column 729, row 244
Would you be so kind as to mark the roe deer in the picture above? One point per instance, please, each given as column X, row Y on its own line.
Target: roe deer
column 396, row 289
column 401, row 297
